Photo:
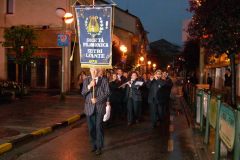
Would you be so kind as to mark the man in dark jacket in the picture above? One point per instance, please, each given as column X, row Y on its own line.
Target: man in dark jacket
column 95, row 91
column 152, row 96
column 133, row 98
column 122, row 80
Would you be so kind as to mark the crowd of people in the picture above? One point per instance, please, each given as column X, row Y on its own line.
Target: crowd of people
column 128, row 93
column 126, row 96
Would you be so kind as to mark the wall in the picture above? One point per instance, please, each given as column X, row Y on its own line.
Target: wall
column 36, row 13
column 124, row 20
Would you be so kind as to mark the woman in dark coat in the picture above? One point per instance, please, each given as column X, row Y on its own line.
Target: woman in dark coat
column 115, row 96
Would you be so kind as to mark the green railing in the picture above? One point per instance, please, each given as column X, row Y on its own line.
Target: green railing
column 222, row 118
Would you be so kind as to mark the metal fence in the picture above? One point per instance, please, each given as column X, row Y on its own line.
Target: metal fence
column 210, row 111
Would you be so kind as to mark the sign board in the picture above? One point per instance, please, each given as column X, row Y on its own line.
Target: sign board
column 227, row 125
column 202, row 86
column 213, row 112
column 95, row 35
column 63, row 40
column 198, row 109
column 205, row 104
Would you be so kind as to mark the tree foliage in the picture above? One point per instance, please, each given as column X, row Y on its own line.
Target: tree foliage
column 217, row 24
column 22, row 41
column 191, row 55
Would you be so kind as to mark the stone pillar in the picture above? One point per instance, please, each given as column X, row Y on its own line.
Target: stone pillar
column 66, row 69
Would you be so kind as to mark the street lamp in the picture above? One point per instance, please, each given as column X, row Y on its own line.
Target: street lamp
column 123, row 49
column 67, row 19
column 149, row 63
column 149, row 66
column 154, row 66
column 141, row 62
column 141, row 59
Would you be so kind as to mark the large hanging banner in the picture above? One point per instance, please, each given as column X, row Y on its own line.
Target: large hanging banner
column 95, row 35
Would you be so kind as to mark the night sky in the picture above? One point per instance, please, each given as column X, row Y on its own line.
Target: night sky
column 161, row 18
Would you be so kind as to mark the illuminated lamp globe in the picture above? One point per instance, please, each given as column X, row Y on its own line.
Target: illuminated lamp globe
column 123, row 48
column 68, row 18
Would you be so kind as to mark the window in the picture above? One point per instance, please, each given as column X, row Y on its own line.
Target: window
column 10, row 6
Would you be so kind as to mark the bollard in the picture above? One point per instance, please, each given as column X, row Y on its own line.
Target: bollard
column 206, row 138
column 201, row 110
column 236, row 154
column 217, row 138
column 197, row 106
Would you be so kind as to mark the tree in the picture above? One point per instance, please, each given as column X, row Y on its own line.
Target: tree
column 216, row 23
column 21, row 40
column 191, row 55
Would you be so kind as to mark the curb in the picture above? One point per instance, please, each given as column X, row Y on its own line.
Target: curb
column 5, row 147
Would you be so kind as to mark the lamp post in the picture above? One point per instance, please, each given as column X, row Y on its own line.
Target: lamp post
column 154, row 66
column 141, row 63
column 149, row 65
column 22, row 86
column 67, row 19
column 123, row 49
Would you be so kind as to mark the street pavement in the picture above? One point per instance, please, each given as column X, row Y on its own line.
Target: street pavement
column 173, row 139
column 22, row 116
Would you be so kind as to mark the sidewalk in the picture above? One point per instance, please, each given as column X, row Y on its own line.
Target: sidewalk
column 195, row 136
column 26, row 115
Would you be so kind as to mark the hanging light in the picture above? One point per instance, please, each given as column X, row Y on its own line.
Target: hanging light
column 68, row 18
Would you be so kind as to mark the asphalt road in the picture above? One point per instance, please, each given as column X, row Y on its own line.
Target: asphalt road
column 171, row 140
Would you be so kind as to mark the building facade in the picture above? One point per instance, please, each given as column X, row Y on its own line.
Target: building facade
column 41, row 15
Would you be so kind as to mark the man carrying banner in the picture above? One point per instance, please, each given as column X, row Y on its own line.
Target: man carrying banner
column 95, row 91
column 95, row 48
